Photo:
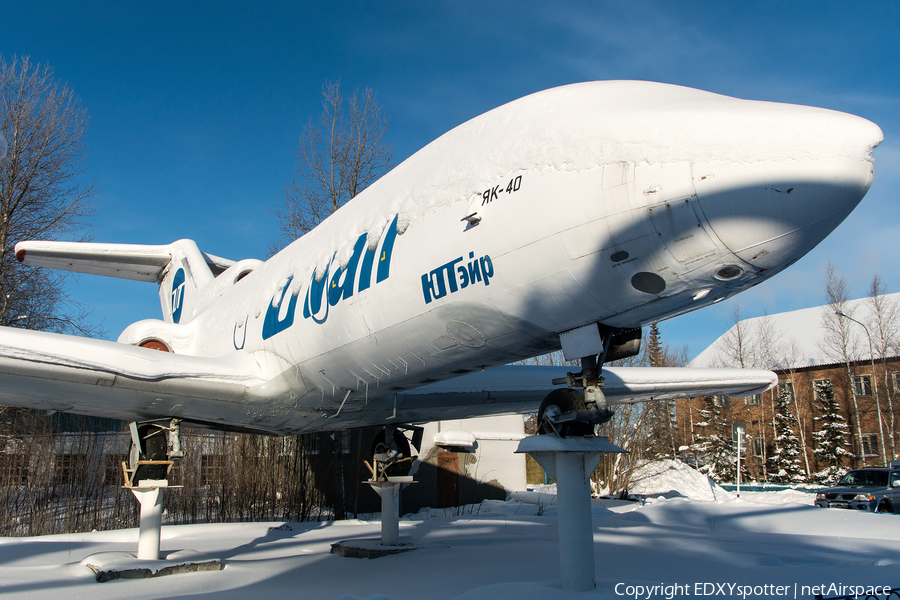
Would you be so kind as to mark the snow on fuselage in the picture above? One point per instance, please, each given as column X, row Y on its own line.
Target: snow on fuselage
column 622, row 203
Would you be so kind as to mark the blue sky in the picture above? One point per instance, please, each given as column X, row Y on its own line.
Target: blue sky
column 196, row 107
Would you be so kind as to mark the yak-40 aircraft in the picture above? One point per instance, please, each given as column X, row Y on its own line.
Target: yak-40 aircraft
column 569, row 218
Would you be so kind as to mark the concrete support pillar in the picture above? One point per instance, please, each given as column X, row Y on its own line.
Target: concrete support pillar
column 576, row 536
column 570, row 461
column 390, row 508
column 150, row 494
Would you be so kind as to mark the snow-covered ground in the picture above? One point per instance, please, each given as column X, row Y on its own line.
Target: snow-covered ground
column 776, row 542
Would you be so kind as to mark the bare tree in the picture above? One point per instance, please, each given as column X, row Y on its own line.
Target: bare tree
column 646, row 429
column 839, row 342
column 736, row 344
column 745, row 346
column 337, row 158
column 790, row 358
column 777, row 350
column 883, row 323
column 41, row 192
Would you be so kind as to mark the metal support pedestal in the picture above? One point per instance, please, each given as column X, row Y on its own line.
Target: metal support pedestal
column 570, row 461
column 149, row 494
column 390, row 525
column 108, row 566
column 390, row 507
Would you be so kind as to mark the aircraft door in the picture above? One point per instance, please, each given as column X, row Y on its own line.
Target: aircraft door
column 448, row 480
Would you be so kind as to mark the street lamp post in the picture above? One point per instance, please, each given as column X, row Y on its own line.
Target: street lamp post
column 874, row 383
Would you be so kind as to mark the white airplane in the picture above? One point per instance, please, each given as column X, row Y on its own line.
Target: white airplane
column 568, row 219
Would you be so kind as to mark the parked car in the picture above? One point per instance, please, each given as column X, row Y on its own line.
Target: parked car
column 874, row 489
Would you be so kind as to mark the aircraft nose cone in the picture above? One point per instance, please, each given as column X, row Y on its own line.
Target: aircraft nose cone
column 815, row 168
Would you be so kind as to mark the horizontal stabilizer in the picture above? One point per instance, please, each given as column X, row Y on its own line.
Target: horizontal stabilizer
column 125, row 261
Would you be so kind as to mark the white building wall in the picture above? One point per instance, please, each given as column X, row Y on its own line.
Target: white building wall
column 494, row 454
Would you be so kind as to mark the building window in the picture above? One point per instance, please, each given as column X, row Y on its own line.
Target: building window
column 71, row 469
column 14, row 469
column 862, row 385
column 895, row 381
column 816, row 387
column 720, row 401
column 756, row 447
column 787, row 386
column 870, row 444
column 754, row 400
column 212, row 469
column 113, row 474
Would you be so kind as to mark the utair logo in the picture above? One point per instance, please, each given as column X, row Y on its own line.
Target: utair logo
column 456, row 275
column 338, row 283
column 177, row 295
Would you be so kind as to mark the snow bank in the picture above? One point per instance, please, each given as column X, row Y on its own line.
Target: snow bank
column 780, row 497
column 494, row 551
column 674, row 479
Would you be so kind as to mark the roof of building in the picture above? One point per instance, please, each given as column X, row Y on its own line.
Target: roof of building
column 798, row 338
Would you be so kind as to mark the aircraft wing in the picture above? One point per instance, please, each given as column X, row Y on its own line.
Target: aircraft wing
column 521, row 388
column 63, row 373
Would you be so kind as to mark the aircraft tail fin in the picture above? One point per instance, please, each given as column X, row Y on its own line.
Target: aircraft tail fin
column 180, row 268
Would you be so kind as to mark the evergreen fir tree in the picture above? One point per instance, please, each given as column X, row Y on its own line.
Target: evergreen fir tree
column 785, row 464
column 831, row 439
column 654, row 347
column 659, row 421
column 714, row 447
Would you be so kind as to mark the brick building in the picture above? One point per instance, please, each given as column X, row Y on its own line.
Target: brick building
column 799, row 340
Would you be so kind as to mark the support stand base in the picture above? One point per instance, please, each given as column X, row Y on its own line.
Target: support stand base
column 121, row 565
column 371, row 548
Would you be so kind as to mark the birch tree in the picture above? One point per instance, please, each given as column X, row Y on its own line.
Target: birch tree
column 838, row 341
column 883, row 325
column 42, row 194
column 338, row 157
column 737, row 345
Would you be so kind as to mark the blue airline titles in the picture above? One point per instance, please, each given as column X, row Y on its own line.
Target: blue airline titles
column 325, row 292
